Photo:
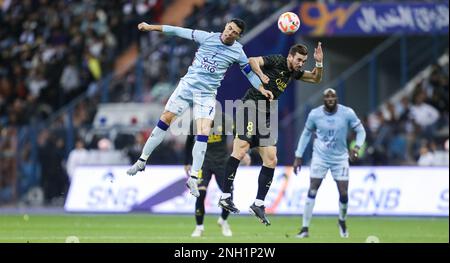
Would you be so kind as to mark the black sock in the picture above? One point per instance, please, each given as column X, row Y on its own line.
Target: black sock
column 230, row 172
column 264, row 182
column 200, row 208
column 224, row 214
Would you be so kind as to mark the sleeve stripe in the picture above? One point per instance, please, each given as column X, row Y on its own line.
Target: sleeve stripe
column 359, row 123
column 247, row 69
column 192, row 35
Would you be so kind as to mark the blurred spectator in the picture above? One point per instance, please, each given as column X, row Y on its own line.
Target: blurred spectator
column 8, row 165
column 76, row 157
column 430, row 155
column 424, row 115
column 53, row 175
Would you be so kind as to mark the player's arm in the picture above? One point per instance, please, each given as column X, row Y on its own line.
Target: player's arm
column 360, row 135
column 147, row 27
column 256, row 63
column 315, row 76
column 302, row 143
column 196, row 35
column 246, row 69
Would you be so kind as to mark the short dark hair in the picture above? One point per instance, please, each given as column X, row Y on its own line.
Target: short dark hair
column 240, row 23
column 298, row 48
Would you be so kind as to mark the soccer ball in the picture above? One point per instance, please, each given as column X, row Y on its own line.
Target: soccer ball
column 288, row 23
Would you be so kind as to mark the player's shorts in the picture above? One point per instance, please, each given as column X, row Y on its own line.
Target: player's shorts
column 319, row 169
column 206, row 173
column 252, row 130
column 185, row 95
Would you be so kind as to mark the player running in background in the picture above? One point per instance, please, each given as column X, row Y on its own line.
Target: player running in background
column 275, row 71
column 215, row 159
column 330, row 124
column 216, row 53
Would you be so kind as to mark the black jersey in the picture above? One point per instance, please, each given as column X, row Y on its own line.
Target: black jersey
column 276, row 68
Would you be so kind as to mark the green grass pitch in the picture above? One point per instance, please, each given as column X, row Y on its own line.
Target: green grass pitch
column 130, row 228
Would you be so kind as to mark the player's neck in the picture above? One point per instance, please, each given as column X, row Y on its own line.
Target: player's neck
column 223, row 42
column 289, row 66
column 330, row 110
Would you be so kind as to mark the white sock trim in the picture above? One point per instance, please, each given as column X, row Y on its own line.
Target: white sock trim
column 259, row 202
column 225, row 195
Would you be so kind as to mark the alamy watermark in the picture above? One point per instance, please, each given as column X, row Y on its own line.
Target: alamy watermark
column 236, row 117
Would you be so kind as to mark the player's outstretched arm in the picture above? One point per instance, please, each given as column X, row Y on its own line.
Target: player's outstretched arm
column 147, row 27
column 256, row 63
column 198, row 36
column 315, row 76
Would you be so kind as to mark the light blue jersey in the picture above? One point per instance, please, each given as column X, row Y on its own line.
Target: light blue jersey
column 330, row 144
column 212, row 59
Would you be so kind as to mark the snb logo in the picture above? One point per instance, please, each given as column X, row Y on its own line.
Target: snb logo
column 209, row 65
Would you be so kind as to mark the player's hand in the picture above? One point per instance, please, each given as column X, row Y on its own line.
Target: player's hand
column 144, row 27
column 187, row 169
column 267, row 93
column 354, row 154
column 264, row 79
column 297, row 165
column 318, row 54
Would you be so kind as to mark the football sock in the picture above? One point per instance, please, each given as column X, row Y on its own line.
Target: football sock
column 343, row 204
column 198, row 154
column 200, row 208
column 307, row 214
column 264, row 182
column 154, row 140
column 230, row 172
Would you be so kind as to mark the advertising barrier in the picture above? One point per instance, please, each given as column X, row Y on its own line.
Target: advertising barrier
column 403, row 191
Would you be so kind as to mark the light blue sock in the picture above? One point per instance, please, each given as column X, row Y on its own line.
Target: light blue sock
column 343, row 211
column 198, row 154
column 307, row 214
column 154, row 140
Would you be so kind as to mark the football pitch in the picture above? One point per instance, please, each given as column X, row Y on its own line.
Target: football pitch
column 142, row 228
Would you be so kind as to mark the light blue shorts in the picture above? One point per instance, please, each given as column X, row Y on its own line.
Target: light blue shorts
column 339, row 171
column 184, row 95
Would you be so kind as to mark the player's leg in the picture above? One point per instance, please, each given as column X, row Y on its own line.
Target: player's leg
column 318, row 171
column 219, row 173
column 204, row 111
column 340, row 175
column 177, row 104
column 156, row 137
column 269, row 158
column 204, row 176
column 343, row 204
column 243, row 141
column 198, row 153
column 240, row 148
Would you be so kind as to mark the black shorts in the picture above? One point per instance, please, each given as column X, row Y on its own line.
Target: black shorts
column 206, row 174
column 253, row 133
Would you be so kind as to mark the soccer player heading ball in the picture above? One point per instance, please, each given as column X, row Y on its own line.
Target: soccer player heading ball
column 216, row 53
column 275, row 71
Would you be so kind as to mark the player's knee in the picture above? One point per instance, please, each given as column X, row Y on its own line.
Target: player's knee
column 312, row 193
column 167, row 117
column 271, row 161
column 343, row 197
column 239, row 152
